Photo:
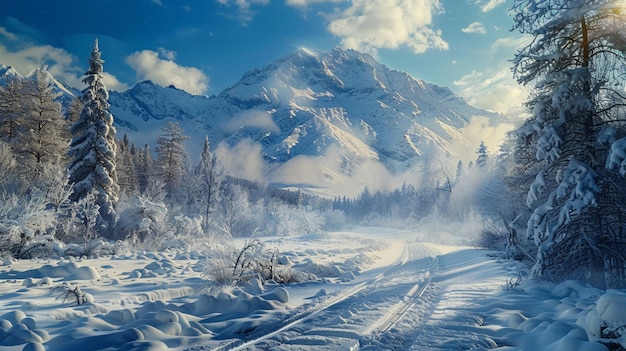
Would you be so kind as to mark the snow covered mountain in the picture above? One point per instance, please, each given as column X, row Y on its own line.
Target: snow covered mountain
column 338, row 109
column 8, row 72
column 310, row 103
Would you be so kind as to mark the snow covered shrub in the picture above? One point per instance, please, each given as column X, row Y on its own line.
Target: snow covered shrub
column 183, row 231
column 139, row 217
column 40, row 246
column 25, row 217
column 95, row 248
column 227, row 265
column 218, row 266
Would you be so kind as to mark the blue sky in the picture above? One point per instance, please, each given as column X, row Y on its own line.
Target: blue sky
column 204, row 46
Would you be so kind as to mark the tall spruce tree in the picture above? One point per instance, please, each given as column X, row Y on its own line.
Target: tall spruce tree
column 575, row 61
column 93, row 147
column 171, row 155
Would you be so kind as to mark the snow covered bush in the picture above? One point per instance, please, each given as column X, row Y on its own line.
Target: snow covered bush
column 27, row 217
column 227, row 265
column 284, row 219
column 139, row 217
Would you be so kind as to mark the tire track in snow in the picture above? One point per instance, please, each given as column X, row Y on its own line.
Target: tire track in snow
column 364, row 297
column 398, row 311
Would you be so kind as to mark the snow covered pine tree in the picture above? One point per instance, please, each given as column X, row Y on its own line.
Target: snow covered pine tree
column 92, row 149
column 578, row 205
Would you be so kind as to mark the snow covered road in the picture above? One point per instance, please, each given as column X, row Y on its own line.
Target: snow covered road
column 372, row 306
column 397, row 307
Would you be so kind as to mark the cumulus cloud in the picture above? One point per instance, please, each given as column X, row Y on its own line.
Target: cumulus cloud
column 475, row 27
column 163, row 70
column 369, row 25
column 497, row 92
column 251, row 118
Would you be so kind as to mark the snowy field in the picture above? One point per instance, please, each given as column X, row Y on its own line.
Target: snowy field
column 366, row 288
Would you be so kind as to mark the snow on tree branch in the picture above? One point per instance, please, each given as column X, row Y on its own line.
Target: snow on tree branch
column 583, row 178
column 617, row 156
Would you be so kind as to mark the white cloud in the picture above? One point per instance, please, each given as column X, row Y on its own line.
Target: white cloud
column 497, row 92
column 167, row 54
column 112, row 83
column 5, row 33
column 244, row 7
column 163, row 71
column 243, row 160
column 475, row 27
column 251, row 118
column 488, row 5
column 511, row 44
column 368, row 25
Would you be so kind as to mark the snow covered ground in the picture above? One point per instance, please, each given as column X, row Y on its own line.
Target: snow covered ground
column 369, row 288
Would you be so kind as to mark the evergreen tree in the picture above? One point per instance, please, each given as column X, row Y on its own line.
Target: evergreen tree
column 143, row 165
column 209, row 174
column 92, row 169
column 127, row 177
column 575, row 60
column 483, row 156
column 171, row 155
column 44, row 138
column 459, row 172
column 12, row 109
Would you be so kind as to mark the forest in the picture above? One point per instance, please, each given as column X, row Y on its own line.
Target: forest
column 551, row 195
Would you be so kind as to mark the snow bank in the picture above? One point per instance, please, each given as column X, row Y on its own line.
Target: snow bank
column 565, row 317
